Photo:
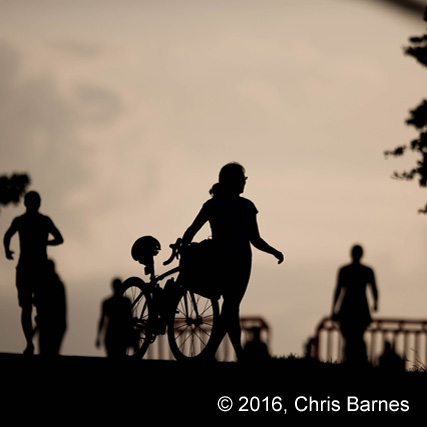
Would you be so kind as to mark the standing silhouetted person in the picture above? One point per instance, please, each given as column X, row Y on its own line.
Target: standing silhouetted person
column 116, row 323
column 233, row 221
column 33, row 230
column 255, row 348
column 51, row 307
column 354, row 314
column 390, row 360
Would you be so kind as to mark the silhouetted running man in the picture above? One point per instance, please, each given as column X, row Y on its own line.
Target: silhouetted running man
column 116, row 323
column 233, row 222
column 353, row 313
column 34, row 230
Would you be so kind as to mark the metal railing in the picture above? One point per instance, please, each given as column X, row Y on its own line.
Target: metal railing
column 406, row 337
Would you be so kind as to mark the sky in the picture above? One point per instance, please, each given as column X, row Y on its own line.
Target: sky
column 123, row 113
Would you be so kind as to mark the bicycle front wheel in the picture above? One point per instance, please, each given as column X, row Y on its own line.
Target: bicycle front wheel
column 135, row 290
column 190, row 328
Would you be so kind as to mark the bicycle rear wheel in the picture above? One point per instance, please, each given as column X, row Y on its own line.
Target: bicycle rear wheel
column 134, row 288
column 190, row 328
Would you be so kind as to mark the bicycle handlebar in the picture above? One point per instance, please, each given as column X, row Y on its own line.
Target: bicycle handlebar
column 175, row 251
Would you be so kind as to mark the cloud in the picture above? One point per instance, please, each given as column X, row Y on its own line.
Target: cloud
column 43, row 129
column 96, row 105
column 79, row 48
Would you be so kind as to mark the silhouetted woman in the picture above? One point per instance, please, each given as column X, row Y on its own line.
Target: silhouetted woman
column 234, row 227
column 353, row 313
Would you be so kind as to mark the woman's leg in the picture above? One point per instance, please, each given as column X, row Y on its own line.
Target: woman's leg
column 237, row 272
column 230, row 320
column 230, row 313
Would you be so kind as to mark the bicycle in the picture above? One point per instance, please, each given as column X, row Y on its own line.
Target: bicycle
column 188, row 318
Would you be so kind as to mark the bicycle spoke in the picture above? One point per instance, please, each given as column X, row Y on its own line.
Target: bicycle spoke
column 191, row 329
column 196, row 341
column 141, row 337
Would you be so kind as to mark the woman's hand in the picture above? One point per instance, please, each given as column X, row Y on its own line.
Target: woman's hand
column 280, row 257
column 9, row 254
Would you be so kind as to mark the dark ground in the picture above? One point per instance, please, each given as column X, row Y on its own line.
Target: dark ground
column 99, row 390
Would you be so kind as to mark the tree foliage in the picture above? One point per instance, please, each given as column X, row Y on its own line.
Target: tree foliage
column 12, row 188
column 417, row 48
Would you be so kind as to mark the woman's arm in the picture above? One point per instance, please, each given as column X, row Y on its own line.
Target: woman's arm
column 197, row 224
column 262, row 245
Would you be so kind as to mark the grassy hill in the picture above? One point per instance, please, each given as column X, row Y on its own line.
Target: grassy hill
column 99, row 389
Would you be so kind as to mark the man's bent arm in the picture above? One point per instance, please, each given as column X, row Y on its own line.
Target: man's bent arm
column 6, row 240
column 57, row 236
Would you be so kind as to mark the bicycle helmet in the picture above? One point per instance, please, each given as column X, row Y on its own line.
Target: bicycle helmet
column 144, row 249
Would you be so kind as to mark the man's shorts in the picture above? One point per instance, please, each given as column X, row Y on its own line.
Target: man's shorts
column 28, row 279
